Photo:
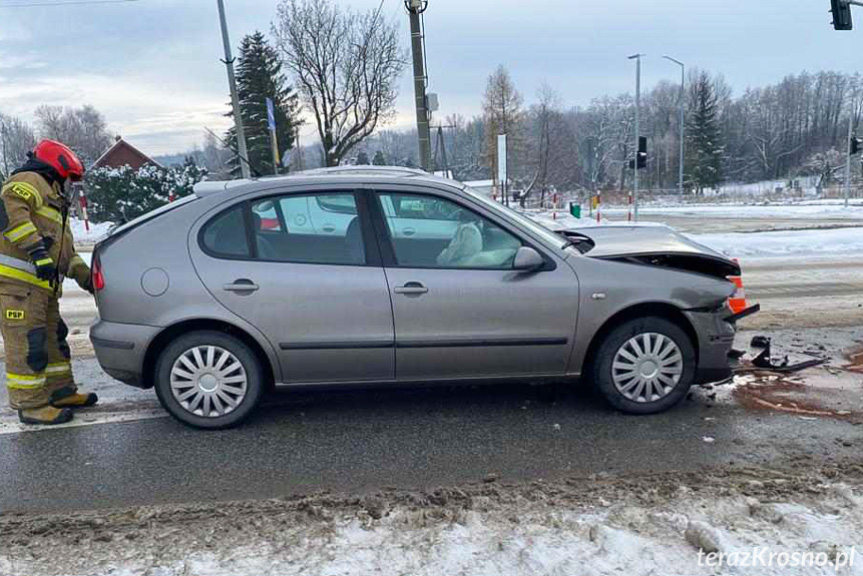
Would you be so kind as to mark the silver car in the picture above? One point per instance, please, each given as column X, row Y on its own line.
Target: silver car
column 353, row 276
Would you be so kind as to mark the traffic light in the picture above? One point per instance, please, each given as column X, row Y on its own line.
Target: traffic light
column 642, row 154
column 841, row 10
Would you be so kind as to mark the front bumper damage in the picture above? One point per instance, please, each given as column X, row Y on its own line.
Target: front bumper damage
column 716, row 331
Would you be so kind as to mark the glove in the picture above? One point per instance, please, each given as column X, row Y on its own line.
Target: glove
column 46, row 269
column 80, row 272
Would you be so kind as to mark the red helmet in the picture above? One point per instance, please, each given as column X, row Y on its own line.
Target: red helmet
column 61, row 158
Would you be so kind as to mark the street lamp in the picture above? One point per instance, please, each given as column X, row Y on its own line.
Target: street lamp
column 682, row 115
column 637, row 58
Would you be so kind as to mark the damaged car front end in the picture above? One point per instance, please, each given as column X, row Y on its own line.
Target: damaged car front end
column 637, row 270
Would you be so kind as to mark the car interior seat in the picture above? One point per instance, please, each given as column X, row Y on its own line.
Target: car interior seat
column 354, row 242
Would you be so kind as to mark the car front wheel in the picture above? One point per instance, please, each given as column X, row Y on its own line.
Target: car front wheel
column 644, row 366
column 209, row 380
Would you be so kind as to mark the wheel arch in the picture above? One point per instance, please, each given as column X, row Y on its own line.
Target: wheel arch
column 166, row 336
column 662, row 310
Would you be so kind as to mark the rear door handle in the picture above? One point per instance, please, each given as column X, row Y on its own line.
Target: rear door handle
column 329, row 228
column 412, row 289
column 242, row 285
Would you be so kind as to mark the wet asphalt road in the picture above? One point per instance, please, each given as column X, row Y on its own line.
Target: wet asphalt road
column 359, row 441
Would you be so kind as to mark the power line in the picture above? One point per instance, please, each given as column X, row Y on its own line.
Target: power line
column 40, row 3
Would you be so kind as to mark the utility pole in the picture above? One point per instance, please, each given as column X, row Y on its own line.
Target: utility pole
column 242, row 151
column 850, row 153
column 637, row 58
column 415, row 10
column 682, row 117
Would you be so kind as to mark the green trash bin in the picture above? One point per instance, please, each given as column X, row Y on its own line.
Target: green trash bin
column 575, row 209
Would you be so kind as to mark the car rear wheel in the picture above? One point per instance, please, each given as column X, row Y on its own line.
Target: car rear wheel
column 644, row 366
column 209, row 380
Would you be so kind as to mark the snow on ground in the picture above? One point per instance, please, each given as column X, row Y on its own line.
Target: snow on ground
column 804, row 243
column 96, row 232
column 813, row 209
column 587, row 526
column 835, row 242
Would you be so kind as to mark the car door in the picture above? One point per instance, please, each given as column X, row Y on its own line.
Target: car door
column 322, row 299
column 460, row 310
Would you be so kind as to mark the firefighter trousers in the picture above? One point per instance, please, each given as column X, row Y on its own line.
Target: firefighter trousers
column 37, row 353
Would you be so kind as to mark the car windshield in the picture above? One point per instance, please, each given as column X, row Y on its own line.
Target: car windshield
column 541, row 231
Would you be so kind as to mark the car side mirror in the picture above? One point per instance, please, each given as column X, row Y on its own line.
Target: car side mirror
column 527, row 260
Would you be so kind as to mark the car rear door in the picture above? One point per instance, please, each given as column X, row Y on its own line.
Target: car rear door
column 321, row 298
column 463, row 313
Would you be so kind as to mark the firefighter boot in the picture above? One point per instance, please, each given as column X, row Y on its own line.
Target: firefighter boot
column 70, row 398
column 46, row 415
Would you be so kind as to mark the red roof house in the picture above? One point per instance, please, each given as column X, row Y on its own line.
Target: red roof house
column 121, row 154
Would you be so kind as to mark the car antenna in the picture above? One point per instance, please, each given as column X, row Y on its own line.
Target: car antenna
column 257, row 173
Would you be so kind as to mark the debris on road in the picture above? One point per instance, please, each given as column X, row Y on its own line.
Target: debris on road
column 765, row 361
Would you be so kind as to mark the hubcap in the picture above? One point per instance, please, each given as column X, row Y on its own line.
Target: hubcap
column 208, row 381
column 647, row 368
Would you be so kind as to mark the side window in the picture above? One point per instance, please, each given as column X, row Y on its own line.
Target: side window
column 448, row 236
column 225, row 235
column 300, row 241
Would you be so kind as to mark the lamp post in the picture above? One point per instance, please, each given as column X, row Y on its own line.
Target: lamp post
column 682, row 117
column 637, row 58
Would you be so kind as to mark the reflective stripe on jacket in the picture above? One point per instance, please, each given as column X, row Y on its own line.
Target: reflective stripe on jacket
column 31, row 213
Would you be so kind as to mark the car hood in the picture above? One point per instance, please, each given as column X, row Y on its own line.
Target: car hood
column 655, row 245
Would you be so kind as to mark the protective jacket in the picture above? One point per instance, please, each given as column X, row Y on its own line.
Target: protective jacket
column 31, row 219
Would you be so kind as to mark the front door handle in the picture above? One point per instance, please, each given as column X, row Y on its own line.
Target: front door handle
column 412, row 289
column 409, row 231
column 242, row 285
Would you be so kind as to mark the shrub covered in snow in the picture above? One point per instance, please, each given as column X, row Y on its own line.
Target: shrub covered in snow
column 121, row 194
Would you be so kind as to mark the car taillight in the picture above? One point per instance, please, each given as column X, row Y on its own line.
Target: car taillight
column 98, row 276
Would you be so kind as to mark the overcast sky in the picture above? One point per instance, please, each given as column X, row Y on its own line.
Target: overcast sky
column 152, row 66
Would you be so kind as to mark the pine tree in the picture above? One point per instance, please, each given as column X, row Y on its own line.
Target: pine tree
column 703, row 137
column 363, row 158
column 379, row 159
column 259, row 76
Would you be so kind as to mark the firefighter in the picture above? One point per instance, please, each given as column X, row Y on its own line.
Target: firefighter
column 36, row 252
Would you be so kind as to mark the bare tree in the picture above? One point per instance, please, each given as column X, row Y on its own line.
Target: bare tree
column 502, row 109
column 346, row 65
column 82, row 129
column 16, row 139
column 544, row 114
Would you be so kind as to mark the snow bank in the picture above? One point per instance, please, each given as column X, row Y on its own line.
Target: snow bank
column 838, row 242
column 821, row 209
column 96, row 232
column 828, row 242
column 651, row 526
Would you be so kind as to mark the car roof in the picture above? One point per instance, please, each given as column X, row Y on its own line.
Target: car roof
column 353, row 174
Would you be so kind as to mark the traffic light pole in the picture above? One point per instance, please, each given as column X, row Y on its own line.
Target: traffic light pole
column 848, row 159
column 637, row 58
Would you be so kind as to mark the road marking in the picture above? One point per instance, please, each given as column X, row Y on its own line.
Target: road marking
column 9, row 426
